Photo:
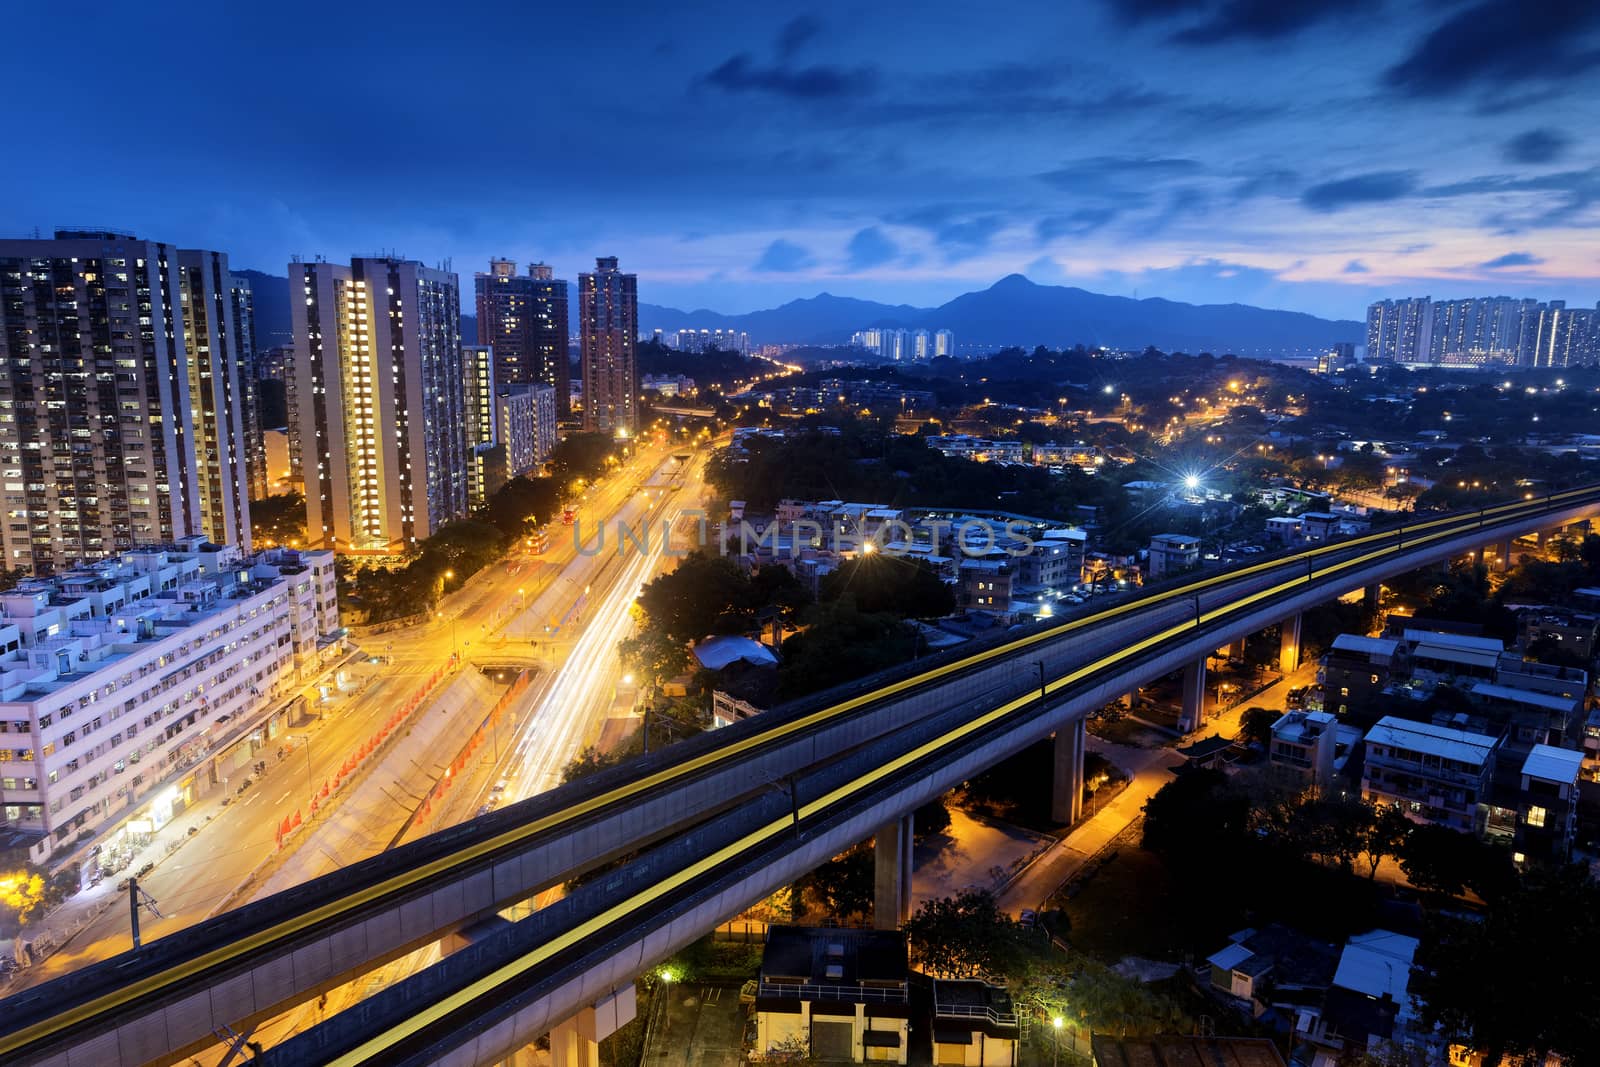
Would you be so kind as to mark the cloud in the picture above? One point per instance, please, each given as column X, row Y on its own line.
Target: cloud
column 1512, row 259
column 739, row 74
column 870, row 248
column 1231, row 20
column 1079, row 223
column 1101, row 173
column 1376, row 187
column 1355, row 266
column 784, row 257
column 1537, row 146
column 796, row 34
column 1498, row 44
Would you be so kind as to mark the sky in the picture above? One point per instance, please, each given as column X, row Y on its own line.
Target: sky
column 1311, row 155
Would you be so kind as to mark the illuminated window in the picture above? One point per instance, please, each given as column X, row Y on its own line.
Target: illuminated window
column 1536, row 816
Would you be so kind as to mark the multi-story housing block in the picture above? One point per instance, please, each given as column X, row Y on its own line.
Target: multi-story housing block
column 608, row 334
column 1435, row 774
column 120, row 418
column 379, row 402
column 131, row 687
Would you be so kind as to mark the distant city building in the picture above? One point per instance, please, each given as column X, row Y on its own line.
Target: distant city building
column 1301, row 753
column 690, row 339
column 119, row 399
column 379, row 409
column 1482, row 332
column 608, row 331
column 524, row 318
column 136, row 685
column 905, row 346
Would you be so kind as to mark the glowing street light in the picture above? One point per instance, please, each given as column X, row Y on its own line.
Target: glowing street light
column 1191, row 482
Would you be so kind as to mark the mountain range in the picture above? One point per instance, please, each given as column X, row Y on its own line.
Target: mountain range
column 1013, row 311
column 1016, row 311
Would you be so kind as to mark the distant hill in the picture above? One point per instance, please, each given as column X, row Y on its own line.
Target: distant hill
column 269, row 295
column 1012, row 311
column 1016, row 311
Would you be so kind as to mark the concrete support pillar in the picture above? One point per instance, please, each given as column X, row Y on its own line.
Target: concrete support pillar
column 575, row 1042
column 1289, row 644
column 1372, row 596
column 1476, row 556
column 892, row 865
column 1066, row 785
column 569, row 1048
column 1503, row 555
column 1194, row 697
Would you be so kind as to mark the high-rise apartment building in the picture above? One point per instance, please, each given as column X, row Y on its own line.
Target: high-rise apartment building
column 944, row 344
column 545, row 425
column 485, row 455
column 119, row 399
column 378, row 401
column 246, row 372
column 524, row 318
column 608, row 332
column 921, row 346
column 216, row 396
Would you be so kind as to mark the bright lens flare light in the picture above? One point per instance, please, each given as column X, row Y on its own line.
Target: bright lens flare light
column 1191, row 482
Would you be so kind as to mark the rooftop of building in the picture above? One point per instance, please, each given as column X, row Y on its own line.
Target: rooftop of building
column 1551, row 764
column 834, row 957
column 1363, row 645
column 1527, row 697
column 1376, row 963
column 1442, row 639
column 1446, row 742
column 1298, row 727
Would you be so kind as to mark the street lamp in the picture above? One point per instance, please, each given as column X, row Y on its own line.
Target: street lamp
column 1055, row 1032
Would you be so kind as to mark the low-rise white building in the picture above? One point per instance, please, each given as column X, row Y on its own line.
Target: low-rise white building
column 132, row 686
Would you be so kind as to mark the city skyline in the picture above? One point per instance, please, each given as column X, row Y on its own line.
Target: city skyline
column 1314, row 161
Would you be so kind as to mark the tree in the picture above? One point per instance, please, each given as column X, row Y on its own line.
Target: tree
column 930, row 820
column 23, row 892
column 1197, row 819
column 703, row 594
column 1255, row 726
column 652, row 655
column 1337, row 829
column 1437, row 859
column 966, row 936
column 278, row 520
column 1385, row 836
column 905, row 587
column 1522, row 981
column 843, row 886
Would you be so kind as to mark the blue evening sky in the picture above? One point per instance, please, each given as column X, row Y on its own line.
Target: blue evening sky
column 1309, row 154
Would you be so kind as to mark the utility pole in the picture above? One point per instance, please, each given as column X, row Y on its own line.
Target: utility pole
column 134, row 903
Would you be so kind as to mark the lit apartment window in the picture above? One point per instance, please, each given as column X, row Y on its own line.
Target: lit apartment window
column 1536, row 816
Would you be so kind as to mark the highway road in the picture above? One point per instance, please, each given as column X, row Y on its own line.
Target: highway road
column 201, row 878
column 566, row 708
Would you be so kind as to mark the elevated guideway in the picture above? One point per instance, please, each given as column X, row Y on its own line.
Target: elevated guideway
column 897, row 743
